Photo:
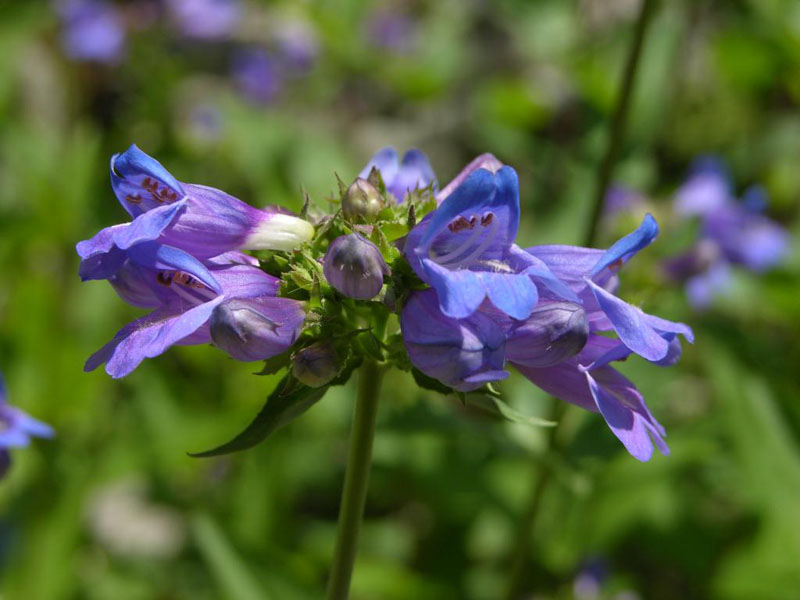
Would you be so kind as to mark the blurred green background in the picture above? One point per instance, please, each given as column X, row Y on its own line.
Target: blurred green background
column 113, row 508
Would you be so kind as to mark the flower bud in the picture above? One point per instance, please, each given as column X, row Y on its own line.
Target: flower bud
column 279, row 231
column 362, row 199
column 251, row 329
column 554, row 332
column 315, row 365
column 355, row 267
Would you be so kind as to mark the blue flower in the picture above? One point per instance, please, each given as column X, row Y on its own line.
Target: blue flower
column 93, row 30
column 464, row 354
column 183, row 306
column 465, row 249
column 354, row 266
column 176, row 225
column 401, row 177
column 205, row 19
column 732, row 232
column 257, row 75
column 16, row 429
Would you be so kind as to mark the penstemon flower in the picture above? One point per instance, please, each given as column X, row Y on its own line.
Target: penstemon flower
column 16, row 429
column 732, row 233
column 401, row 176
column 430, row 282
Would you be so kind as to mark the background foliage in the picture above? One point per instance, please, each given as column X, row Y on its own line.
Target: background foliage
column 114, row 508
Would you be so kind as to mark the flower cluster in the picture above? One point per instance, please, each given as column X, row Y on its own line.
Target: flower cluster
column 471, row 302
column 546, row 310
column 732, row 232
column 180, row 256
column 16, row 429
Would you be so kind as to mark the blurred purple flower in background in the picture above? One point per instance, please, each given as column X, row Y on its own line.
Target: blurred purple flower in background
column 16, row 429
column 732, row 232
column 205, row 19
column 401, row 177
column 298, row 45
column 92, row 30
column 257, row 75
column 392, row 30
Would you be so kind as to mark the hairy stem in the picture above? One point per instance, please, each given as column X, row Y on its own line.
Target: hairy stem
column 541, row 476
column 356, row 479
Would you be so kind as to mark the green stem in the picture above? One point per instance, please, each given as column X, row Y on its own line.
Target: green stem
column 619, row 119
column 541, row 476
column 356, row 477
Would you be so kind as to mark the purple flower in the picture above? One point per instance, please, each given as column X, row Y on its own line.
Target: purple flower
column 558, row 345
column 591, row 273
column 707, row 188
column 257, row 75
column 465, row 249
column 183, row 306
column 93, row 31
column 205, row 19
column 298, row 45
column 465, row 353
column 391, row 30
column 175, row 224
column 16, row 429
column 588, row 381
column 732, row 233
column 251, row 329
column 401, row 177
column 355, row 267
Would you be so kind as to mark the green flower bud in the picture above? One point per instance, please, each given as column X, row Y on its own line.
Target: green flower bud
column 316, row 365
column 362, row 199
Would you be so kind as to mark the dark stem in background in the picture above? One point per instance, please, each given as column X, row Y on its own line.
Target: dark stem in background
column 356, row 478
column 542, row 474
column 618, row 119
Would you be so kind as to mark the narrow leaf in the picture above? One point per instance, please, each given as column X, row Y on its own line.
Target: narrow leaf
column 497, row 407
column 289, row 400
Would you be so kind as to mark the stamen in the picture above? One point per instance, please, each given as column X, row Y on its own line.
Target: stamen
column 452, row 259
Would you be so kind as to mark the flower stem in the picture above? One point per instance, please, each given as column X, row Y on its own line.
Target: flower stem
column 619, row 119
column 542, row 474
column 356, row 478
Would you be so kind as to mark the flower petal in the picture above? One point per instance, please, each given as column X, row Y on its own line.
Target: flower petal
column 160, row 257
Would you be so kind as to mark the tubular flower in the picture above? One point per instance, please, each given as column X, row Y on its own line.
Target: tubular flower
column 732, row 232
column 591, row 273
column 401, row 177
column 465, row 353
column 197, row 220
column 183, row 306
column 465, row 249
column 354, row 266
column 16, row 429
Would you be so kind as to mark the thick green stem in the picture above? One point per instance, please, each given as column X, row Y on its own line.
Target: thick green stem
column 619, row 119
column 356, row 477
column 541, row 474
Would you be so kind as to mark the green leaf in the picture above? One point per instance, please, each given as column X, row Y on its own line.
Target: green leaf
column 497, row 407
column 275, row 364
column 289, row 400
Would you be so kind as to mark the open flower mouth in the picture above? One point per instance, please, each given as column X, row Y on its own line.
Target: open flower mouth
column 185, row 287
column 482, row 229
